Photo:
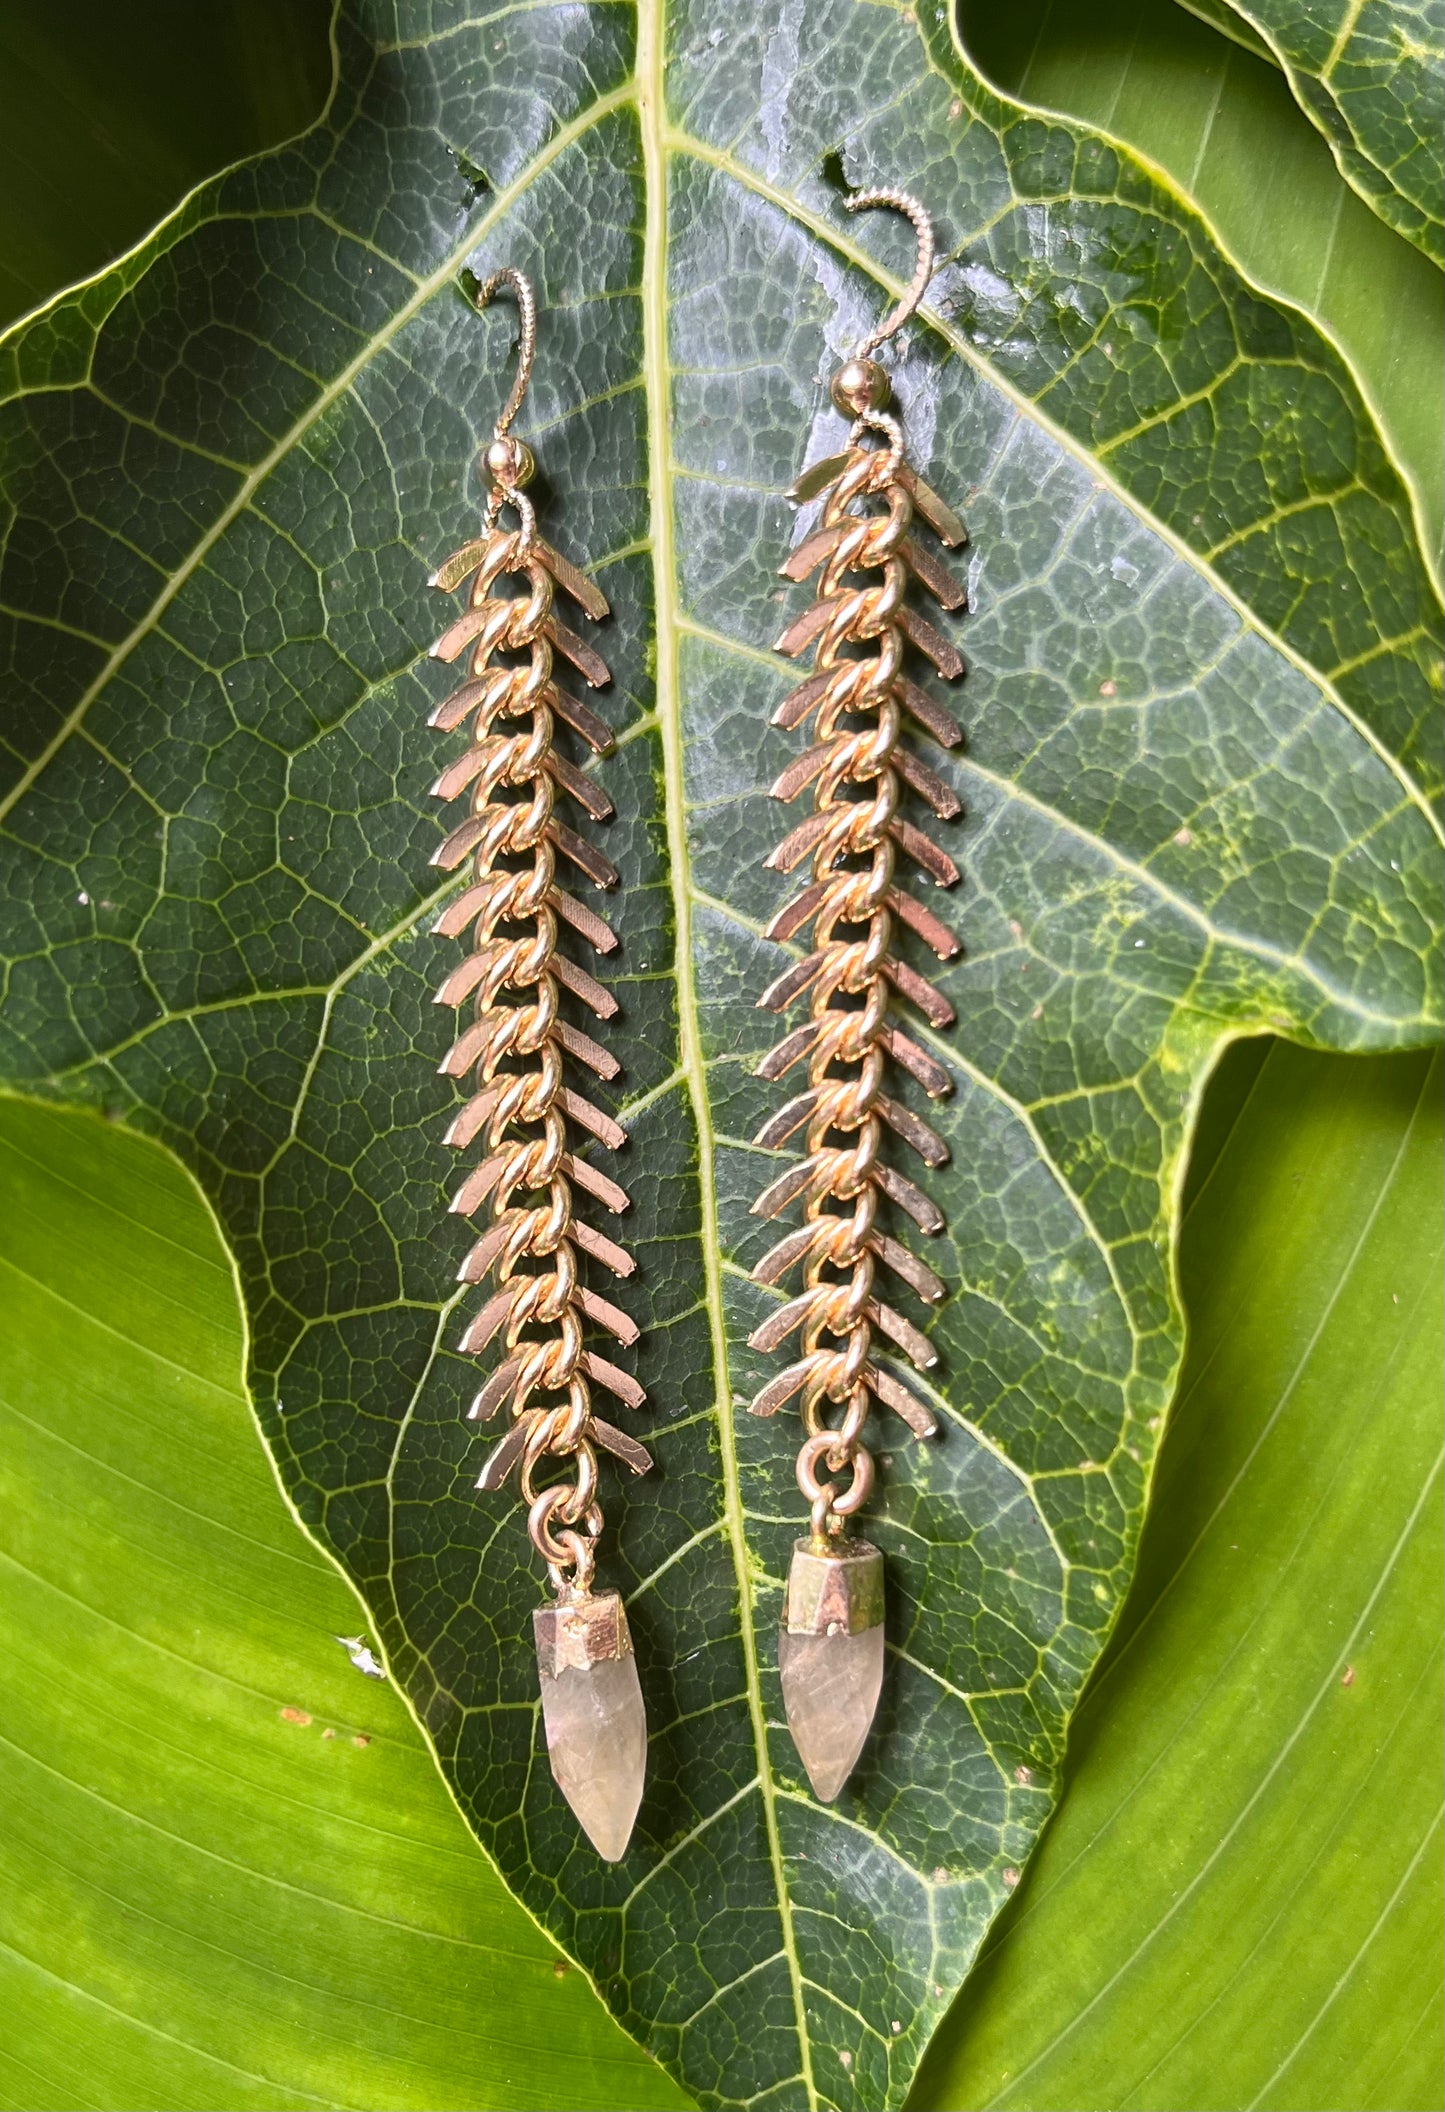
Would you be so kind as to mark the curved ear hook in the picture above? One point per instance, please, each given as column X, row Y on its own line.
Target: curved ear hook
column 526, row 300
column 903, row 202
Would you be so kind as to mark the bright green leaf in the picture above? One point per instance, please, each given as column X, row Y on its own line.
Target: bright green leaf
column 1371, row 73
column 1240, row 1900
column 230, row 1873
column 1190, row 785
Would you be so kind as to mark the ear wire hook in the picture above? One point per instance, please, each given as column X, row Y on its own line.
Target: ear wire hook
column 508, row 462
column 903, row 202
column 526, row 300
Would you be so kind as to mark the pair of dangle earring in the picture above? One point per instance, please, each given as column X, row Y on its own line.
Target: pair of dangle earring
column 520, row 1050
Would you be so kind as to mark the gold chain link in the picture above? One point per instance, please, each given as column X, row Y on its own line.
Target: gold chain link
column 514, row 974
column 859, row 626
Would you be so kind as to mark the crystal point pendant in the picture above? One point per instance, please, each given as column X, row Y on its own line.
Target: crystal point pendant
column 593, row 1715
column 830, row 1656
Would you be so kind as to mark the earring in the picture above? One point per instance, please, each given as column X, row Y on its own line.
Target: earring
column 518, row 1047
column 831, row 1645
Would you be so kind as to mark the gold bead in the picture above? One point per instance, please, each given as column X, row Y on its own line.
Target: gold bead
column 509, row 462
column 860, row 386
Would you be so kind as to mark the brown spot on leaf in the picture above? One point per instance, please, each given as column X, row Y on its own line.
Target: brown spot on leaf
column 1347, row 1677
column 294, row 1716
column 361, row 1739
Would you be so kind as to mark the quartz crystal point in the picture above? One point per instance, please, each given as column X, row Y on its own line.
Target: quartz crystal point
column 593, row 1715
column 830, row 1656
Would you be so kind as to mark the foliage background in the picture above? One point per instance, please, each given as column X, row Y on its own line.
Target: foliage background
column 1238, row 1900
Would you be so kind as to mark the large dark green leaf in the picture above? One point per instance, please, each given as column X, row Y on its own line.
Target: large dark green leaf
column 1192, row 809
column 1371, row 73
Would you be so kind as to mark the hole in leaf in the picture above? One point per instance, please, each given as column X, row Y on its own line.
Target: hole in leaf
column 834, row 175
column 476, row 179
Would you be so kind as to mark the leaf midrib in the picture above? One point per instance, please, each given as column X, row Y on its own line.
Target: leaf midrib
column 652, row 118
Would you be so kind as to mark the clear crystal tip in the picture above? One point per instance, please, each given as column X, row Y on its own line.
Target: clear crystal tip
column 594, row 1718
column 831, row 1685
column 830, row 1657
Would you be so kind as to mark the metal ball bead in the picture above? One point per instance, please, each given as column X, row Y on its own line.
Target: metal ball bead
column 509, row 462
column 860, row 386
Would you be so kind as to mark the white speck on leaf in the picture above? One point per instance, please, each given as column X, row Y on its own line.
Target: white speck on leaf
column 358, row 1650
column 1121, row 569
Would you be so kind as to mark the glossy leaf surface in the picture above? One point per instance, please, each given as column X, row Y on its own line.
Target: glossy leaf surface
column 234, row 461
column 1371, row 73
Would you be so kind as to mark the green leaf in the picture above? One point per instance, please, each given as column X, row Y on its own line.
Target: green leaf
column 1240, row 1900
column 1222, row 15
column 1200, row 707
column 1371, row 73
column 231, row 1874
column 1215, row 119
